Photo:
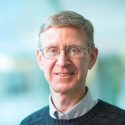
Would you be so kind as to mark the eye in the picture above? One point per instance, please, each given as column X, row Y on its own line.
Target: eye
column 74, row 50
column 52, row 51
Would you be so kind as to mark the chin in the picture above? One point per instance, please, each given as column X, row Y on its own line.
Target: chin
column 63, row 89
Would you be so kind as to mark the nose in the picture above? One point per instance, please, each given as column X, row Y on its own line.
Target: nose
column 62, row 59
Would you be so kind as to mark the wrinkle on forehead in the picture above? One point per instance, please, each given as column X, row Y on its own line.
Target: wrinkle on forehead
column 63, row 36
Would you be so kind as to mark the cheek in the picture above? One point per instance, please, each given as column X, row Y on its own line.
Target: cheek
column 83, row 67
column 47, row 69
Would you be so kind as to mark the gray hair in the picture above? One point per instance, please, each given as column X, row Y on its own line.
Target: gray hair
column 69, row 18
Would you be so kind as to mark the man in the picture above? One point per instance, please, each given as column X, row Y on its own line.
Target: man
column 66, row 52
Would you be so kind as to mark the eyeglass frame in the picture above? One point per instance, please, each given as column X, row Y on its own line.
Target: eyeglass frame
column 80, row 48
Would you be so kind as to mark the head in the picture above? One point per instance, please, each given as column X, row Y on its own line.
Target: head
column 67, row 19
column 66, row 29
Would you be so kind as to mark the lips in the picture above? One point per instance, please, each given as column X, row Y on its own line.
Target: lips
column 64, row 74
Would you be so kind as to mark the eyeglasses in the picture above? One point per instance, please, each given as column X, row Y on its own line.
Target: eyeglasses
column 70, row 51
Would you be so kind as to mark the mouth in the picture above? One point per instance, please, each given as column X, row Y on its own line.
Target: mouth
column 64, row 74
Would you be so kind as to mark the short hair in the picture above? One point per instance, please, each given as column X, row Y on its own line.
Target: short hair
column 69, row 18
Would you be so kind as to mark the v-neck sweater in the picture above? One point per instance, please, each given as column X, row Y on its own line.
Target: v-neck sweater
column 101, row 114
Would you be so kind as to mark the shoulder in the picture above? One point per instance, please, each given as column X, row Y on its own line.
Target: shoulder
column 111, row 112
column 111, row 108
column 37, row 116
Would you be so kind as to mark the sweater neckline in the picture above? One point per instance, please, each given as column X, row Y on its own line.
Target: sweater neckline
column 89, row 115
column 85, row 104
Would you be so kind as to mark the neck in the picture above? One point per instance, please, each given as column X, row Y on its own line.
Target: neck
column 65, row 101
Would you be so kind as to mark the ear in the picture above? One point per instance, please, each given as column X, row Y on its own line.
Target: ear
column 40, row 59
column 92, row 58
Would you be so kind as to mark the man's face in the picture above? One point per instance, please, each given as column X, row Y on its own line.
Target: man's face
column 65, row 74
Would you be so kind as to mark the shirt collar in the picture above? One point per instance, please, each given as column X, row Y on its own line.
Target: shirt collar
column 78, row 110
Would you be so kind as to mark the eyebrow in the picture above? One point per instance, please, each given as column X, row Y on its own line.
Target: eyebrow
column 70, row 44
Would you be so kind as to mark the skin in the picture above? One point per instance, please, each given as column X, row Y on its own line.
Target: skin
column 66, row 76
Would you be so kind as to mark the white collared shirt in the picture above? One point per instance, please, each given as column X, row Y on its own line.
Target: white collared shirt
column 78, row 110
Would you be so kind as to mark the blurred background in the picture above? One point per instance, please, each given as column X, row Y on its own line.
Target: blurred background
column 23, row 88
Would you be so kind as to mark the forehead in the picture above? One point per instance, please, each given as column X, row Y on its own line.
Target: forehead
column 63, row 35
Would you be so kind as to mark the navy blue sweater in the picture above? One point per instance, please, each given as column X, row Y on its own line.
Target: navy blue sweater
column 102, row 114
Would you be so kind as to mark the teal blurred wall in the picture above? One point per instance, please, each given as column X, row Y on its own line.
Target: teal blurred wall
column 23, row 88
